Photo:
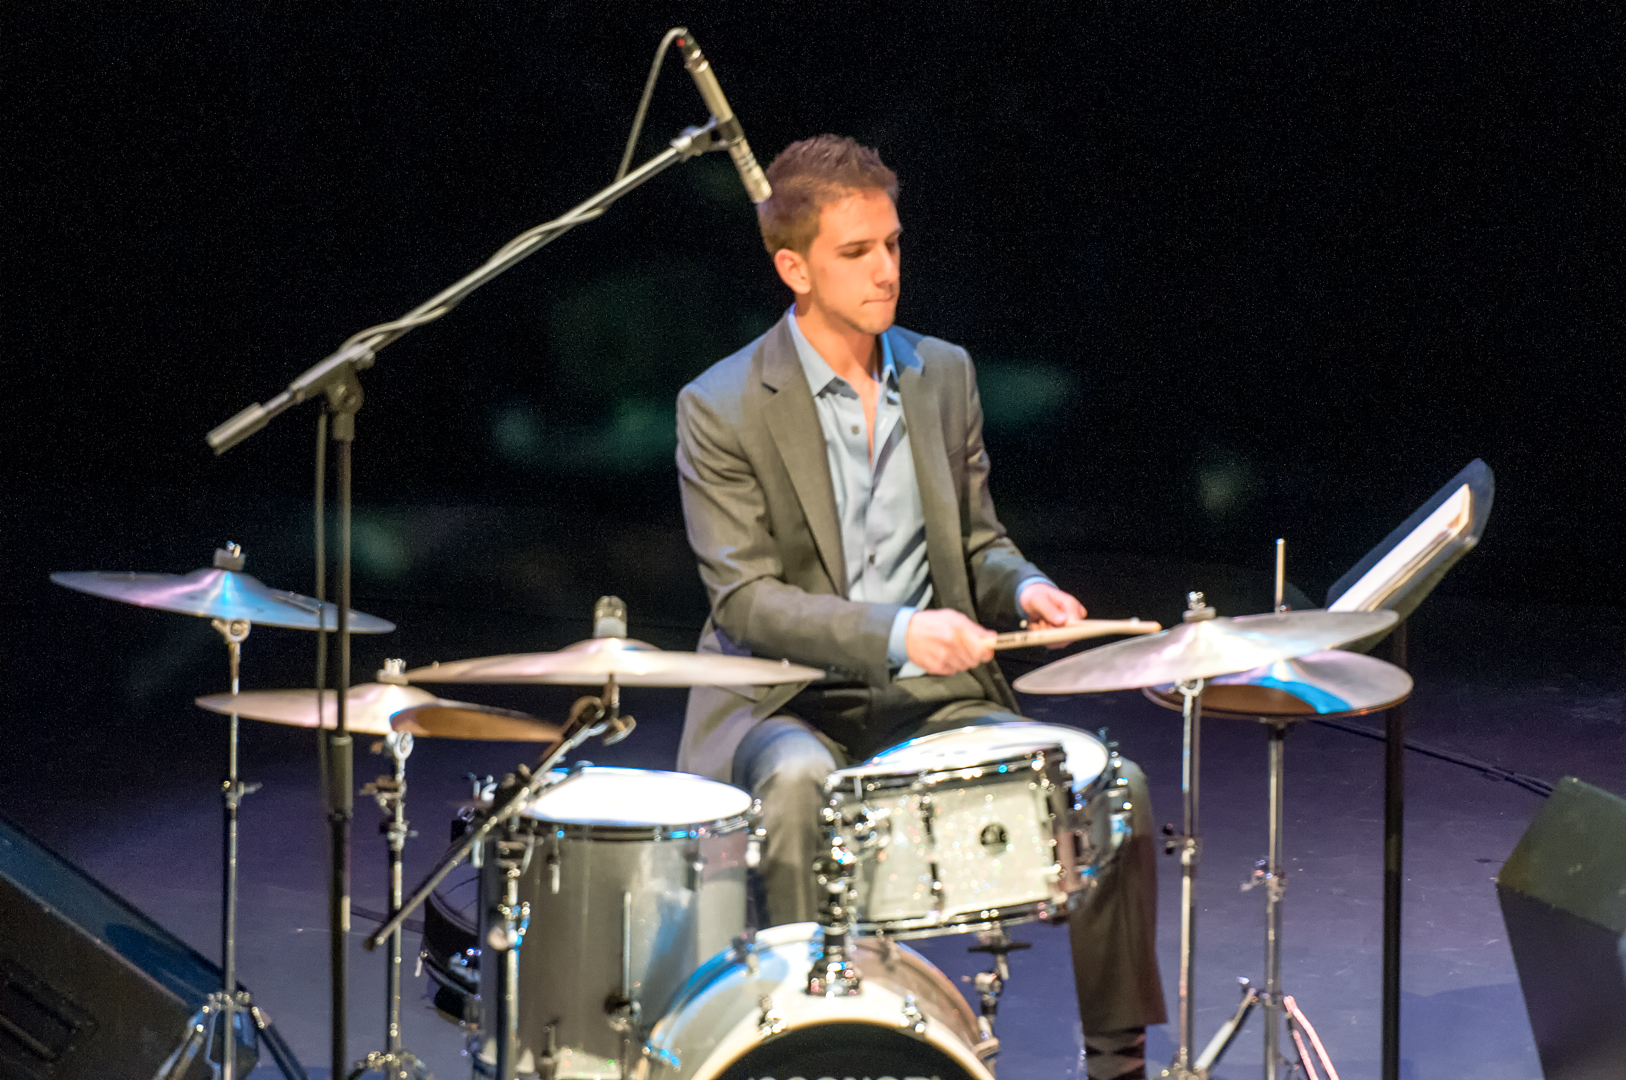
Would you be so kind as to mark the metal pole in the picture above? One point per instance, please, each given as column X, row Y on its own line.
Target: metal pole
column 1275, row 883
column 1190, row 773
column 508, row 1000
column 1394, row 827
column 397, row 831
column 341, row 797
column 231, row 795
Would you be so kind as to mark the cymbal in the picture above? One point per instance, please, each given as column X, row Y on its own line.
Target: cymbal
column 1329, row 683
column 630, row 662
column 220, row 594
column 371, row 708
column 1202, row 649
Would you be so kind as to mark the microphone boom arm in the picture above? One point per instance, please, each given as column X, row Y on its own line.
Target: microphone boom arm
column 357, row 354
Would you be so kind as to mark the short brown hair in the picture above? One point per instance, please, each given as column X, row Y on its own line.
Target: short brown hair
column 809, row 174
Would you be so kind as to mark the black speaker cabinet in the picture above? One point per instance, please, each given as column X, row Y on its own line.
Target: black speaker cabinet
column 89, row 986
column 1563, row 897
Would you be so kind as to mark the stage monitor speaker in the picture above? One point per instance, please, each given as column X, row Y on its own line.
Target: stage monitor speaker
column 89, row 986
column 1563, row 895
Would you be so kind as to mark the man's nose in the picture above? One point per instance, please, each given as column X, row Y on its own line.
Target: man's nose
column 886, row 267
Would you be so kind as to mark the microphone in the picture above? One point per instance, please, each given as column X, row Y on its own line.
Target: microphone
column 728, row 125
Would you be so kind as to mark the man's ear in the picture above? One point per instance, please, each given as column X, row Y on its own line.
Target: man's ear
column 793, row 271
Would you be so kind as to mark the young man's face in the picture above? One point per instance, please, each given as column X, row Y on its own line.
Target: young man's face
column 850, row 273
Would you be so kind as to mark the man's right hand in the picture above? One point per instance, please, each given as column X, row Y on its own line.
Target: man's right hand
column 944, row 642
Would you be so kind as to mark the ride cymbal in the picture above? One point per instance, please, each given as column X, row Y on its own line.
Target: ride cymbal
column 629, row 662
column 1202, row 649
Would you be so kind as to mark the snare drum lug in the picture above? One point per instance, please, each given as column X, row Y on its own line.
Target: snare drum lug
column 769, row 1023
column 696, row 868
column 913, row 1019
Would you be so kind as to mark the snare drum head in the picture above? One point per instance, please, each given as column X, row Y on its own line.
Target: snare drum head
column 637, row 798
column 961, row 747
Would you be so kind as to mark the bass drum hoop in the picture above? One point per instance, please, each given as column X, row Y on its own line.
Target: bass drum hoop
column 871, row 956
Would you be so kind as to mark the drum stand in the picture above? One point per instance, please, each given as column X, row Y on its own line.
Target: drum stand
column 990, row 984
column 834, row 974
column 389, row 792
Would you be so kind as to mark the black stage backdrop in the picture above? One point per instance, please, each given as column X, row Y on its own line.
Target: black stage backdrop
column 1230, row 273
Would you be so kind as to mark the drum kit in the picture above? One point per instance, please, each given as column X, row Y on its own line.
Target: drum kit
column 631, row 884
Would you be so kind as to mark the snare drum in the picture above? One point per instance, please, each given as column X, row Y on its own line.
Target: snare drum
column 747, row 1015
column 979, row 826
column 1100, row 816
column 956, row 838
column 634, row 878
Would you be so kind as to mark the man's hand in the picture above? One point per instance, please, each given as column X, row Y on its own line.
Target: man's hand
column 944, row 642
column 1047, row 606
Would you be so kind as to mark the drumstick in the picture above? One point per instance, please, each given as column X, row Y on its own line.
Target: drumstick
column 1087, row 628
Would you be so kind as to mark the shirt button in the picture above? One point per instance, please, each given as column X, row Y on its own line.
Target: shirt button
column 855, row 429
column 872, row 560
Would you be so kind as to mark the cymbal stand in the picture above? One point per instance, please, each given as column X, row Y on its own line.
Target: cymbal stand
column 1272, row 874
column 1189, row 847
column 390, row 792
column 228, row 1001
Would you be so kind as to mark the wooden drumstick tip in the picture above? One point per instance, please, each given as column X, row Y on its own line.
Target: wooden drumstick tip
column 1085, row 628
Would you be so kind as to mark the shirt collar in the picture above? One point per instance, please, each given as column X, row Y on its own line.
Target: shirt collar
column 818, row 371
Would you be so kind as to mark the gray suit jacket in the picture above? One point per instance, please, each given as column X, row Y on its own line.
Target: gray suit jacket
column 761, row 517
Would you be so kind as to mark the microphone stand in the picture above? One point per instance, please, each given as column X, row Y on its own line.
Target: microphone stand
column 337, row 378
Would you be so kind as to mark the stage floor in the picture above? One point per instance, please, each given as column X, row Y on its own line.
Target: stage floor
column 106, row 760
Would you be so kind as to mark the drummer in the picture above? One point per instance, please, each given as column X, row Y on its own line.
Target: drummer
column 835, row 490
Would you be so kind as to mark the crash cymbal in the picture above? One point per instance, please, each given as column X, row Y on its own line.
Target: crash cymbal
column 220, row 594
column 1324, row 684
column 631, row 663
column 1202, row 649
column 370, row 708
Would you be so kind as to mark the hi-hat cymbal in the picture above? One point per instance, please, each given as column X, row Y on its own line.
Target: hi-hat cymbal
column 1330, row 683
column 629, row 662
column 371, row 708
column 1202, row 649
column 220, row 594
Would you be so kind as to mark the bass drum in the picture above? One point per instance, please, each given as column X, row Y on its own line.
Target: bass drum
column 747, row 1015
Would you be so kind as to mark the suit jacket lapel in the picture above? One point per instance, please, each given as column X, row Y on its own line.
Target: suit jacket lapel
column 938, row 499
column 793, row 421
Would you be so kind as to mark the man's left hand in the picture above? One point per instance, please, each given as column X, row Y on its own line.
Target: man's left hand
column 1047, row 606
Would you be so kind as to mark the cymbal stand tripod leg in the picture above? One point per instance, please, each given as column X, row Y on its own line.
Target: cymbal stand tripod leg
column 389, row 792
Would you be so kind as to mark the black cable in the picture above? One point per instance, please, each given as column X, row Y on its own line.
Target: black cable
column 1530, row 783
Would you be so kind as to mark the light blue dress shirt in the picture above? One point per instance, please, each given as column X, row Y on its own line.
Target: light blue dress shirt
column 883, row 525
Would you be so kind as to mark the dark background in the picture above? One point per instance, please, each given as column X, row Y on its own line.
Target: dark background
column 1230, row 273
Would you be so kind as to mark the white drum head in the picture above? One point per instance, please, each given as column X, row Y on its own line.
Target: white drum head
column 638, row 798
column 967, row 746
